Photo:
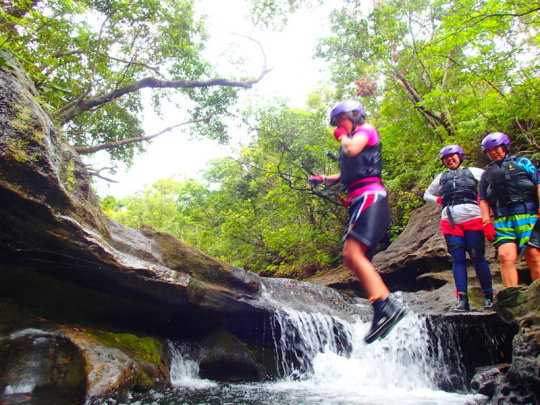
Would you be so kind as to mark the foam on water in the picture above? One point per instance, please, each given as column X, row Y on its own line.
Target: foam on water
column 323, row 359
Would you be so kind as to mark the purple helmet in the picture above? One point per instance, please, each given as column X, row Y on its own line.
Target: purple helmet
column 450, row 150
column 353, row 108
column 495, row 139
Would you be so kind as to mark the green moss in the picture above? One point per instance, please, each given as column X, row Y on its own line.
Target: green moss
column 17, row 149
column 68, row 175
column 142, row 348
column 144, row 382
column 20, row 123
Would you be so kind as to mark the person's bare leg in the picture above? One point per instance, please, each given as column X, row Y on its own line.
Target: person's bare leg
column 354, row 254
column 532, row 256
column 508, row 254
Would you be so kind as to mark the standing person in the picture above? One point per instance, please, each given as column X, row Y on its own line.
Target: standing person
column 510, row 187
column 456, row 191
column 360, row 164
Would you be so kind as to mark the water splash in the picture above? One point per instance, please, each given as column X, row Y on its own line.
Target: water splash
column 184, row 369
column 325, row 360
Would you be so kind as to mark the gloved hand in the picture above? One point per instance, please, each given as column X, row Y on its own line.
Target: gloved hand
column 489, row 231
column 315, row 180
column 439, row 201
column 339, row 132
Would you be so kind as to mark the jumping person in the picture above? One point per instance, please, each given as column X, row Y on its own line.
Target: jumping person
column 360, row 164
column 456, row 191
column 510, row 187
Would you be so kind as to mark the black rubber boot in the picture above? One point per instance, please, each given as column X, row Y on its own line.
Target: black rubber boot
column 488, row 300
column 463, row 303
column 386, row 314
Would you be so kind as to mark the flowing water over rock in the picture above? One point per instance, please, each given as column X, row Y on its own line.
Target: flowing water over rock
column 324, row 360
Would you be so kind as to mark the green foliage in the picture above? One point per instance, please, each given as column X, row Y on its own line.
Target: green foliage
column 447, row 72
column 87, row 59
column 430, row 73
column 255, row 211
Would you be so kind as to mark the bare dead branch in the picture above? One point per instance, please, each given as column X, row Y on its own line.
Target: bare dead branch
column 97, row 173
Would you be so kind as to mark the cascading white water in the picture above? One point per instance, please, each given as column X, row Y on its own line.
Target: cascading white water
column 318, row 336
column 326, row 349
column 323, row 359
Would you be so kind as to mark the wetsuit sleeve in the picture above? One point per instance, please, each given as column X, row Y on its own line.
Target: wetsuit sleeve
column 433, row 191
column 530, row 168
column 482, row 188
column 370, row 132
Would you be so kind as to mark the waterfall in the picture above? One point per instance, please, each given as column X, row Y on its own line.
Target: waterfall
column 327, row 349
column 322, row 358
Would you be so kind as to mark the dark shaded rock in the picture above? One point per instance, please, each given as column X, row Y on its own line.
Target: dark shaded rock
column 76, row 364
column 520, row 382
column 486, row 379
column 35, row 360
column 226, row 358
column 478, row 340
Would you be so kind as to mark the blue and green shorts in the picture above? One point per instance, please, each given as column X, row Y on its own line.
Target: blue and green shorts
column 515, row 228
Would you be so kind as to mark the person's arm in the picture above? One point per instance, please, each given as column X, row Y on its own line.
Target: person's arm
column 315, row 180
column 477, row 173
column 485, row 211
column 331, row 178
column 433, row 192
column 352, row 146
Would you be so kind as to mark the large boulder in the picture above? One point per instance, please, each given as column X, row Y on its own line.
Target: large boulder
column 65, row 260
column 519, row 381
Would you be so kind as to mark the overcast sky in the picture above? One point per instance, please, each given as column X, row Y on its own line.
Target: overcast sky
column 294, row 74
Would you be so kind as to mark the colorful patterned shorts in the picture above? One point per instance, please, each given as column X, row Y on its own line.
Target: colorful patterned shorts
column 514, row 229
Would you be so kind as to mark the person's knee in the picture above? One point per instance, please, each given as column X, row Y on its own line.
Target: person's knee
column 352, row 252
column 507, row 253
column 532, row 255
column 457, row 253
column 477, row 255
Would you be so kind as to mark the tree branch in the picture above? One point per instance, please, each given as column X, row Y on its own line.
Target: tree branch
column 72, row 111
column 85, row 150
column 434, row 119
column 97, row 173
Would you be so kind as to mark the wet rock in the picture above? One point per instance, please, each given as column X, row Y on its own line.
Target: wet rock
column 45, row 361
column 225, row 358
column 520, row 382
column 117, row 363
column 487, row 379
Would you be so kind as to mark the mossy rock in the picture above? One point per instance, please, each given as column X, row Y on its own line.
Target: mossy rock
column 140, row 362
column 513, row 303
